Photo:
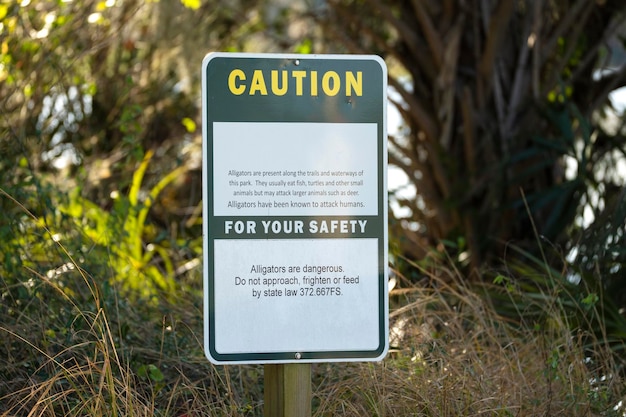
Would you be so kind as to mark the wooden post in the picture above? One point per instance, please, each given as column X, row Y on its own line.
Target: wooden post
column 287, row 390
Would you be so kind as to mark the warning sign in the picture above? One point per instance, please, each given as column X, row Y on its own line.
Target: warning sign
column 295, row 208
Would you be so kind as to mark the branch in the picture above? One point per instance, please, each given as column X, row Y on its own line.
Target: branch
column 498, row 24
column 521, row 75
column 573, row 34
column 570, row 19
column 469, row 133
column 405, row 31
column 434, row 41
column 417, row 111
column 446, row 83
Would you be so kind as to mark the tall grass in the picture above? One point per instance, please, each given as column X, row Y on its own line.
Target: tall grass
column 72, row 344
column 453, row 355
column 456, row 355
column 112, row 358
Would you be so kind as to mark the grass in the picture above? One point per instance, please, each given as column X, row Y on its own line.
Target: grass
column 452, row 355
column 73, row 343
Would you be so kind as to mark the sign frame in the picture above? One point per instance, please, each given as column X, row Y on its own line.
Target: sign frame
column 294, row 102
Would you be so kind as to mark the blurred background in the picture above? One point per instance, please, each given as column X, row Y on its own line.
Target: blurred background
column 507, row 144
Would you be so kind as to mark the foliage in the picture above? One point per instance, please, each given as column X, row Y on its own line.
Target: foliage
column 531, row 290
column 89, row 92
column 92, row 85
column 123, row 230
column 496, row 96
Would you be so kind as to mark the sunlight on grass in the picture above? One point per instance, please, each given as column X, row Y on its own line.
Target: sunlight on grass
column 72, row 343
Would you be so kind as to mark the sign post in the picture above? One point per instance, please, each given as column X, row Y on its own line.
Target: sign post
column 287, row 390
column 295, row 208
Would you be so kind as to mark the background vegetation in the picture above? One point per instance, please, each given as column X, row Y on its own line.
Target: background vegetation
column 507, row 293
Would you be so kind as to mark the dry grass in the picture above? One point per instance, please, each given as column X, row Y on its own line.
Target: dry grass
column 452, row 355
column 456, row 357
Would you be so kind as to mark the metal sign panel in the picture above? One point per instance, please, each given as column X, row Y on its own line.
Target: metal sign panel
column 295, row 208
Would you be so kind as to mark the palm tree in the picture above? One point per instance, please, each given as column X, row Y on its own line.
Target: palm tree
column 496, row 95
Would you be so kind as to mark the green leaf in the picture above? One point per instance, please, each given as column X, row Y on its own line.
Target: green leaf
column 304, row 47
column 155, row 373
column 591, row 299
column 151, row 372
column 500, row 279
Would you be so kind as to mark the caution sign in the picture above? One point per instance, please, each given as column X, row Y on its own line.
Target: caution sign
column 295, row 208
